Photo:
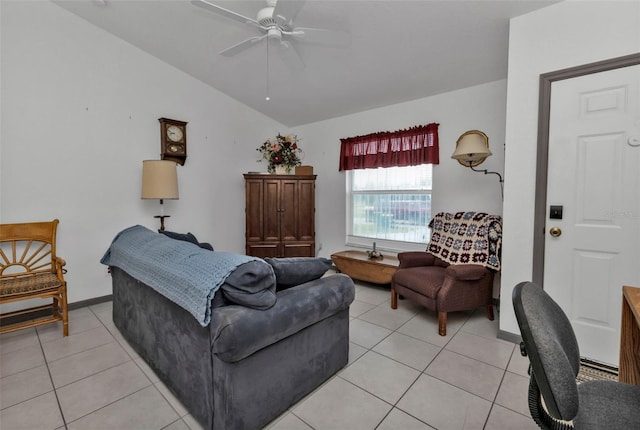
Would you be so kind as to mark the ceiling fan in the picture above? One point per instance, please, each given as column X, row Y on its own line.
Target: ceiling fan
column 275, row 24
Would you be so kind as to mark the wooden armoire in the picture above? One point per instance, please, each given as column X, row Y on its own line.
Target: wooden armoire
column 280, row 215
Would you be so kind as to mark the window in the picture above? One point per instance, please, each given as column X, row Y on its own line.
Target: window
column 390, row 206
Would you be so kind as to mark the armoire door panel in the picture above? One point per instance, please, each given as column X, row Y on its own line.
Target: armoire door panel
column 263, row 250
column 271, row 210
column 253, row 210
column 288, row 214
column 299, row 249
column 306, row 211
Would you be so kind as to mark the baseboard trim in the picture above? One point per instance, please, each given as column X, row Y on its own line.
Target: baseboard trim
column 510, row 337
column 90, row 302
column 44, row 313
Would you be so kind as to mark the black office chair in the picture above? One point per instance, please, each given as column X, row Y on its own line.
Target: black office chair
column 556, row 400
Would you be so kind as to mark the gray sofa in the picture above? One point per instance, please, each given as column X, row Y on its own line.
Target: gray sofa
column 248, row 365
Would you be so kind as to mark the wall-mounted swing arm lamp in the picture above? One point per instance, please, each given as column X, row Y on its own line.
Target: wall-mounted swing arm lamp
column 472, row 148
column 160, row 181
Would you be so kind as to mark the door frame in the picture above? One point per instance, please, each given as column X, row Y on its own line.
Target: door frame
column 542, row 161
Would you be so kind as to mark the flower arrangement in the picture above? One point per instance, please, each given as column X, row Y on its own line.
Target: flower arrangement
column 281, row 151
column 374, row 255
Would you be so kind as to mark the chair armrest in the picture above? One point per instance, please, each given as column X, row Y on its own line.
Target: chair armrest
column 415, row 259
column 60, row 263
column 465, row 272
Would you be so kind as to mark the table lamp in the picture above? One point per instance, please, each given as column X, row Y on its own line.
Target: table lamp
column 160, row 181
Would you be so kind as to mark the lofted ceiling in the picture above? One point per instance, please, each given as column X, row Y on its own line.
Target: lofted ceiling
column 398, row 50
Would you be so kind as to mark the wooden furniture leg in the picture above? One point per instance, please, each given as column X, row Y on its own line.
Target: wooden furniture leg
column 629, row 365
column 442, row 323
column 490, row 312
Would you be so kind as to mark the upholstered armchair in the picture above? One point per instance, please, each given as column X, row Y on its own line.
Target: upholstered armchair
column 456, row 271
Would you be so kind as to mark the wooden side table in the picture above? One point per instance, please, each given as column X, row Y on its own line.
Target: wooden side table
column 357, row 265
column 629, row 370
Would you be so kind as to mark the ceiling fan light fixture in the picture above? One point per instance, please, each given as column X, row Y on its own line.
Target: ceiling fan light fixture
column 275, row 23
column 265, row 17
column 274, row 33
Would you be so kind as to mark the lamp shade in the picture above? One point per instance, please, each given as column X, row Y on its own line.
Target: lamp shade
column 472, row 148
column 159, row 179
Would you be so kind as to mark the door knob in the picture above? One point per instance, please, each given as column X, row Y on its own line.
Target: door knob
column 555, row 231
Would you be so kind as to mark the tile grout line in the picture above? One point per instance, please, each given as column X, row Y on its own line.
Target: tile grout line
column 423, row 372
column 53, row 387
column 103, row 370
column 366, row 350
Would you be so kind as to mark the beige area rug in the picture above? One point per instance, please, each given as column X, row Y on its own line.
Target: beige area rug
column 593, row 371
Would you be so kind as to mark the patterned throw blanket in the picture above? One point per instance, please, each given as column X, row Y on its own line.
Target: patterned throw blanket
column 467, row 238
column 181, row 271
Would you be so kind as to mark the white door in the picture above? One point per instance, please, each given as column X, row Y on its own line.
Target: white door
column 593, row 173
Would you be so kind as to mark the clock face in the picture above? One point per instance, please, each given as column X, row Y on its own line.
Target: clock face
column 174, row 133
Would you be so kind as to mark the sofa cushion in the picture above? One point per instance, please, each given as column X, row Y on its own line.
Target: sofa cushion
column 294, row 271
column 239, row 331
column 251, row 284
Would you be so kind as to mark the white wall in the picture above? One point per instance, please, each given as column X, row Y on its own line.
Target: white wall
column 557, row 37
column 80, row 112
column 456, row 188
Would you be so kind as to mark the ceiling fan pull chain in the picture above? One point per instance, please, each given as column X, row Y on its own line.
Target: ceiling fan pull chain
column 268, row 98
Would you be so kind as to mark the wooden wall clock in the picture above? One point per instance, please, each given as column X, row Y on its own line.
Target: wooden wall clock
column 173, row 140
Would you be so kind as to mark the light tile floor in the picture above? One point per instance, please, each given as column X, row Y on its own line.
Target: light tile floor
column 401, row 375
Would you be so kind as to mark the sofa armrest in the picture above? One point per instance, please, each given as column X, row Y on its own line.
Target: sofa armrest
column 465, row 272
column 238, row 331
column 415, row 259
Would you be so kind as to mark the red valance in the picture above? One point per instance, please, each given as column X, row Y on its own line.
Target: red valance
column 410, row 147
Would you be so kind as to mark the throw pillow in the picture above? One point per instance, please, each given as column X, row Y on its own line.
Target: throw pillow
column 252, row 284
column 187, row 237
column 298, row 270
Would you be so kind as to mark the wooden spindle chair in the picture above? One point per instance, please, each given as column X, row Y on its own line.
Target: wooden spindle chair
column 30, row 269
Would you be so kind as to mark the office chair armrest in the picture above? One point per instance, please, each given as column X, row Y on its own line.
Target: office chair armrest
column 415, row 259
column 465, row 272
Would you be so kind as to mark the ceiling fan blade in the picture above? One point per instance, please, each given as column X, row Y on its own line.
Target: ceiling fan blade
column 320, row 36
column 239, row 47
column 286, row 11
column 224, row 12
column 290, row 56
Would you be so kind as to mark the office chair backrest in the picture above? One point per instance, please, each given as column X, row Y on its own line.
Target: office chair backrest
column 551, row 346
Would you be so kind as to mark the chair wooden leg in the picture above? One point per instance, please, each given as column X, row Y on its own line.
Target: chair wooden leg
column 394, row 299
column 65, row 313
column 55, row 308
column 442, row 323
column 490, row 312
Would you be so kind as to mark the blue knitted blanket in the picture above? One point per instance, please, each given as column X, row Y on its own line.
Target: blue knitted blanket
column 181, row 271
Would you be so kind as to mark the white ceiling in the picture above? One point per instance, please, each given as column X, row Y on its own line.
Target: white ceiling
column 399, row 50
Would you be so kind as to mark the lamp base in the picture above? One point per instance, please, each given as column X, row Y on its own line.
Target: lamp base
column 162, row 217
